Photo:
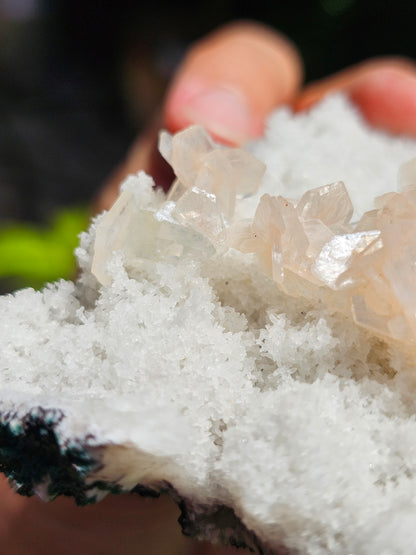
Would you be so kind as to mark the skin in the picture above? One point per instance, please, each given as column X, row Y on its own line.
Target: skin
column 232, row 100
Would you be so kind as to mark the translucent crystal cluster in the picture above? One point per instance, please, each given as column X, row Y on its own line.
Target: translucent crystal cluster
column 202, row 167
column 308, row 248
column 194, row 219
column 370, row 264
column 148, row 233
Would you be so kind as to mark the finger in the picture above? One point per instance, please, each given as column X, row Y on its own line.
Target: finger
column 383, row 89
column 231, row 80
column 125, row 524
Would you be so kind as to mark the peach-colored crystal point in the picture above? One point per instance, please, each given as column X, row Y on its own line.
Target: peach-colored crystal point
column 198, row 162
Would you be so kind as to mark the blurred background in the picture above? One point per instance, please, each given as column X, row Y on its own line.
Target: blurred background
column 79, row 79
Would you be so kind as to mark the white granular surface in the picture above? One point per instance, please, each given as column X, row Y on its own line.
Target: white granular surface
column 324, row 146
column 224, row 386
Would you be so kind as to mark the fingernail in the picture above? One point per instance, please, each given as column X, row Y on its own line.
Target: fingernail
column 224, row 113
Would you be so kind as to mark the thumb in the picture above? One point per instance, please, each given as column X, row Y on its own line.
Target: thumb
column 230, row 81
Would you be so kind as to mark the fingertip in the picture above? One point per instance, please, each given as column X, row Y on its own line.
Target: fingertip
column 222, row 110
column 231, row 80
column 387, row 99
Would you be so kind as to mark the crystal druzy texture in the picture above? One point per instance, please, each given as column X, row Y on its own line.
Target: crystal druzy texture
column 246, row 344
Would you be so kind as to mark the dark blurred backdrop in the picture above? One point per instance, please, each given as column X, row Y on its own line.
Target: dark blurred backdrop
column 78, row 78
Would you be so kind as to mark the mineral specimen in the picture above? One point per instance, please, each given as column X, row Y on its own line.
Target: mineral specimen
column 249, row 352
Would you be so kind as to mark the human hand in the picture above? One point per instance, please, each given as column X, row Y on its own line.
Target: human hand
column 229, row 82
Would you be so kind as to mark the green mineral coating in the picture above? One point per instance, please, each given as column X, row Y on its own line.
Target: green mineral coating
column 35, row 457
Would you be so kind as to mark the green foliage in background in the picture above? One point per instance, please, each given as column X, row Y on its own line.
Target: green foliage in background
column 33, row 255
